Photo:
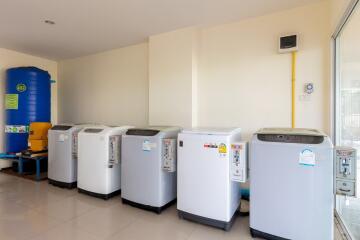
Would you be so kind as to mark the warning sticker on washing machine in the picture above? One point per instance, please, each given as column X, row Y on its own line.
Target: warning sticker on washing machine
column 222, row 148
column 210, row 145
column 307, row 158
column 147, row 145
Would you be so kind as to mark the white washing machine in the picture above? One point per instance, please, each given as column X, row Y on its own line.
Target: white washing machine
column 99, row 161
column 148, row 167
column 62, row 168
column 208, row 175
column 291, row 185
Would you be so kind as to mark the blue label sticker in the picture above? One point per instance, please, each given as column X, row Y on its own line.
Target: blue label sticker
column 307, row 158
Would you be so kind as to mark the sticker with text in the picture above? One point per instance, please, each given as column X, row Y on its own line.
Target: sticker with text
column 147, row 145
column 307, row 157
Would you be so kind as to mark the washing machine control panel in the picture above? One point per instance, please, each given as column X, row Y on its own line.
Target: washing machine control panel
column 74, row 151
column 239, row 162
column 169, row 155
column 114, row 150
column 346, row 174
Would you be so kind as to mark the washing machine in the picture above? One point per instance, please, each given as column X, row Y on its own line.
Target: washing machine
column 209, row 175
column 291, row 184
column 62, row 162
column 148, row 171
column 99, row 161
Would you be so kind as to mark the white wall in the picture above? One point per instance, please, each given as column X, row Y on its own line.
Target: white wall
column 173, row 78
column 244, row 82
column 108, row 88
column 9, row 59
column 224, row 75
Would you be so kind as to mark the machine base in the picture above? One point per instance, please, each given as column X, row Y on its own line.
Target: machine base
column 62, row 184
column 208, row 221
column 99, row 195
column 259, row 234
column 157, row 210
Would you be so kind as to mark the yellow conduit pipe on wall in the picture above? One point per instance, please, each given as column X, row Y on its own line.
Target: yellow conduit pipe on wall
column 293, row 88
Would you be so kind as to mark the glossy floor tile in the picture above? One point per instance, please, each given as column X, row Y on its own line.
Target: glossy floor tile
column 38, row 211
column 350, row 214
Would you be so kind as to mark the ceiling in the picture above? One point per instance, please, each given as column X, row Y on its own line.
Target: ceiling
column 88, row 26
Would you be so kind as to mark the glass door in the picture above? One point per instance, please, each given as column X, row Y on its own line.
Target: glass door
column 347, row 114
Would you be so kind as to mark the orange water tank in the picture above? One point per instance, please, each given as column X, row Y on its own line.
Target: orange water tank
column 38, row 136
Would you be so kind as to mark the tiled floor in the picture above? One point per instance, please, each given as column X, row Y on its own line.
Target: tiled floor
column 350, row 214
column 39, row 211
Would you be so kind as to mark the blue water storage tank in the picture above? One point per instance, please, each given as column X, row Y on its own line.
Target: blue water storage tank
column 27, row 100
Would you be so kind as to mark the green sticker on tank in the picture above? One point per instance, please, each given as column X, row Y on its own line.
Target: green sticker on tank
column 12, row 101
column 20, row 87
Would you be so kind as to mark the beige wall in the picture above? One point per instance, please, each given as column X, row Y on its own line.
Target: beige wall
column 245, row 82
column 240, row 78
column 108, row 88
column 173, row 78
column 224, row 75
column 9, row 59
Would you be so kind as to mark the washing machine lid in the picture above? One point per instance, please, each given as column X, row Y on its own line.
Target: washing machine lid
column 93, row 130
column 150, row 131
column 289, row 135
column 212, row 131
column 61, row 127
column 292, row 131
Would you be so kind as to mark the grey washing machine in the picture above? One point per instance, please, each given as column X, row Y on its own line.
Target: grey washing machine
column 148, row 167
column 62, row 168
column 291, row 185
